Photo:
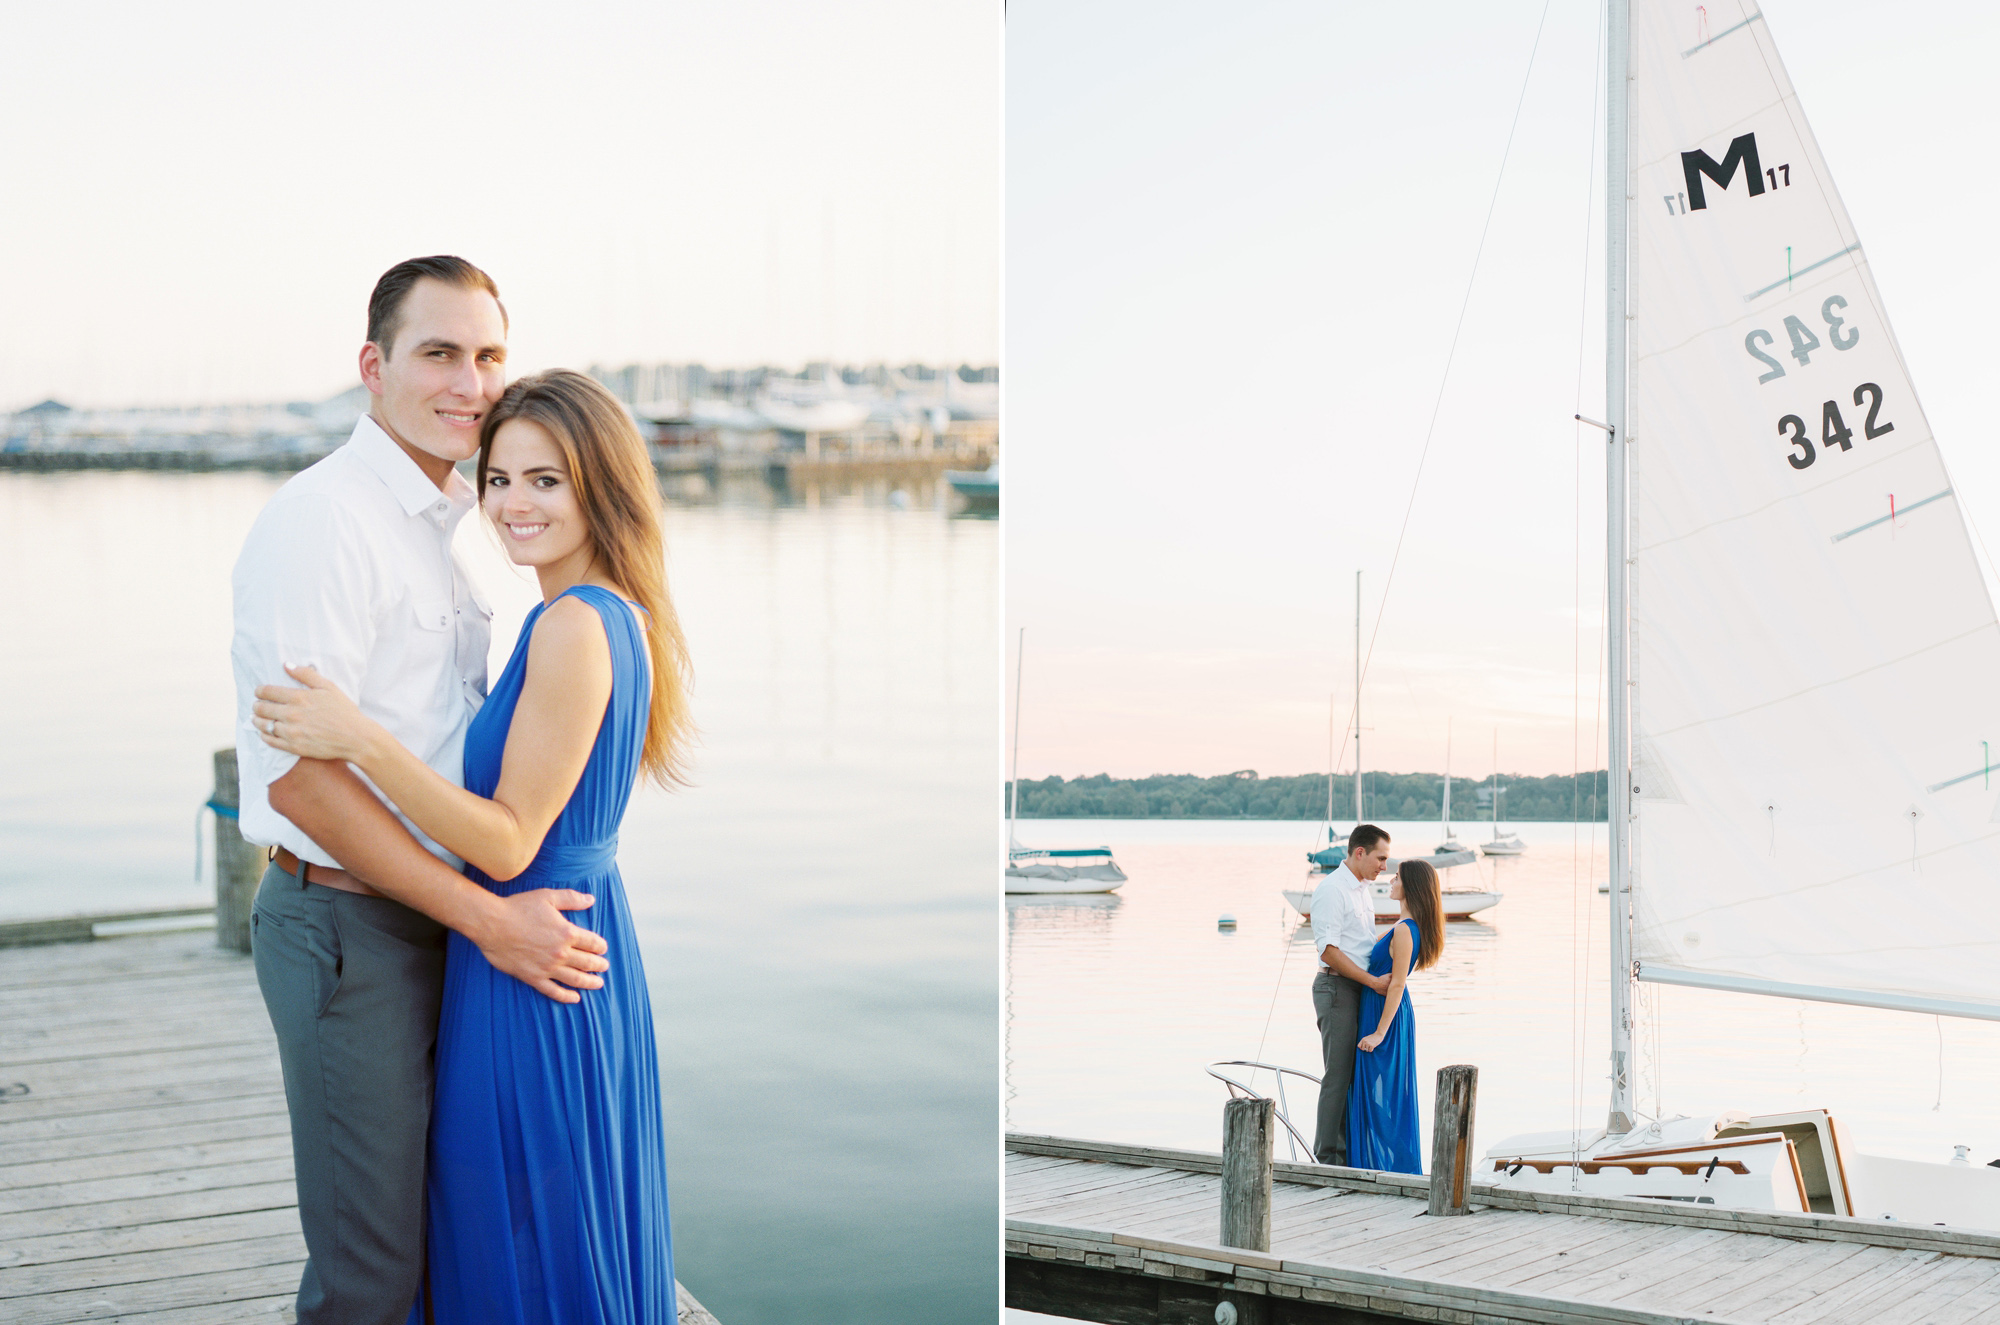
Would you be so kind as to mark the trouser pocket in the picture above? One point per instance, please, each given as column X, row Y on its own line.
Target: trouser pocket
column 296, row 940
column 322, row 943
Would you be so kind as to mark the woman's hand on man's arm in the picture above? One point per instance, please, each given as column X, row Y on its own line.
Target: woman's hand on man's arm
column 318, row 721
column 549, row 741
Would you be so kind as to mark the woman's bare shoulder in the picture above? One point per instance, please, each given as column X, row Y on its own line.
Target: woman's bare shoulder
column 569, row 635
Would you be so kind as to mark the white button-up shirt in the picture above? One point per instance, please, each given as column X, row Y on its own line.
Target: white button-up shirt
column 1343, row 915
column 350, row 568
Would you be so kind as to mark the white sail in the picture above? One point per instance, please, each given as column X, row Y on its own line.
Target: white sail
column 1815, row 657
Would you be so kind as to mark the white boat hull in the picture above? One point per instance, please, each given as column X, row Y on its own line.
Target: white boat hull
column 1437, row 860
column 1457, row 905
column 1045, row 887
column 1040, row 878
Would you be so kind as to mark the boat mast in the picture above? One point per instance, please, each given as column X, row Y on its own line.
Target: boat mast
column 1332, row 716
column 1447, row 779
column 1357, row 699
column 1014, row 776
column 1496, row 785
column 1617, row 189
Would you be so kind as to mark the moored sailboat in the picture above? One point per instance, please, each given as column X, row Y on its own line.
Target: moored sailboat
column 1511, row 844
column 1048, row 869
column 1451, row 851
column 1459, row 903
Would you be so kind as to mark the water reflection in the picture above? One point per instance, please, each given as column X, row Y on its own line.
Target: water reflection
column 1088, row 913
column 1111, row 1021
column 815, row 911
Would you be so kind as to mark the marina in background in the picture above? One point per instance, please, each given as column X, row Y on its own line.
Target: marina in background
column 909, row 419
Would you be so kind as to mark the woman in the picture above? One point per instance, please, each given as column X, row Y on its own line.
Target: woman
column 547, row 1183
column 1382, row 1105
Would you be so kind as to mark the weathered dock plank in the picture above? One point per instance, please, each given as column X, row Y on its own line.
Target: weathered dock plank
column 138, row 1135
column 1115, row 1241
column 254, row 1080
column 92, row 1243
column 82, row 929
column 218, row 1109
column 145, row 1151
column 169, row 1208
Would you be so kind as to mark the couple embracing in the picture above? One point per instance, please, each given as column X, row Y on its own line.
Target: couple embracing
column 1368, row 1095
column 442, row 937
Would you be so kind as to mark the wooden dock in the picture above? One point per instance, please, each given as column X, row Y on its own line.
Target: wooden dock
column 1129, row 1234
column 145, row 1152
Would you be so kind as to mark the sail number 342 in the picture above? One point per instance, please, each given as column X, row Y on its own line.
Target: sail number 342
column 1804, row 342
column 1833, row 430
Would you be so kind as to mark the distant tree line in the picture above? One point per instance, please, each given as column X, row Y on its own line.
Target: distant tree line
column 1559, row 798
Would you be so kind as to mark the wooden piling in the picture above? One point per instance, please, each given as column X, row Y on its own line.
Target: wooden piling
column 1246, row 1173
column 1451, row 1139
column 238, row 864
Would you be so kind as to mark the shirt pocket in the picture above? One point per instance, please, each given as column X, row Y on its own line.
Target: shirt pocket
column 432, row 614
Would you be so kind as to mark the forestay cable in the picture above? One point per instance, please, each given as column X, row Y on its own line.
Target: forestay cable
column 1437, row 406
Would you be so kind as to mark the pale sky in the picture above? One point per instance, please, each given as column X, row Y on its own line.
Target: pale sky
column 1238, row 238
column 199, row 197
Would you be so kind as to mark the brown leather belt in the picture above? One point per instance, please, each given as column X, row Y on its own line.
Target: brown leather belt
column 323, row 875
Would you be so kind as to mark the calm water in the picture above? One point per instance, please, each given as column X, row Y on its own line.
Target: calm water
column 1115, row 1005
column 816, row 914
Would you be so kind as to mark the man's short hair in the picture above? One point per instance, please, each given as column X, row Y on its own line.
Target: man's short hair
column 1365, row 837
column 385, row 306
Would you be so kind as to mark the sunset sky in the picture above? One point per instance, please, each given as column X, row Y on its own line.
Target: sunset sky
column 1237, row 244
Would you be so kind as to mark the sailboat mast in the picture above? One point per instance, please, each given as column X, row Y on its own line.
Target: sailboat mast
column 1332, row 716
column 1014, row 776
column 1357, row 699
column 1447, row 778
column 1617, row 188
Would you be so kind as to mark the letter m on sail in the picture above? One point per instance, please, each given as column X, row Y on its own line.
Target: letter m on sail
column 1742, row 152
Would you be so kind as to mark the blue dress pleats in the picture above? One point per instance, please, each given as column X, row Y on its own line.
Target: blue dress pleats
column 1382, row 1104
column 548, row 1177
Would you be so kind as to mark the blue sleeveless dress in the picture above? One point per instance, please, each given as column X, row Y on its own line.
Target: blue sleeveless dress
column 548, row 1177
column 1382, row 1104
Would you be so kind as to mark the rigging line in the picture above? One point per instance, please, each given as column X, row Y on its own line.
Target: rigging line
column 1935, row 1108
column 1451, row 354
column 1578, row 925
column 1283, row 961
column 1596, row 743
column 1659, row 1052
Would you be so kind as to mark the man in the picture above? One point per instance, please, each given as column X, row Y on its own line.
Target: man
column 350, row 569
column 1343, row 924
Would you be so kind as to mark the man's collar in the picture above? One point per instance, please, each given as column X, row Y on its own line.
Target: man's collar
column 409, row 485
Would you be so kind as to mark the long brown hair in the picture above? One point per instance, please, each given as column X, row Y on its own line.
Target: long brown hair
column 620, row 497
column 1420, row 894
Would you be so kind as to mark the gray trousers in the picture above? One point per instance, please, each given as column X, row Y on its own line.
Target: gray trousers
column 1337, row 1001
column 353, row 984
